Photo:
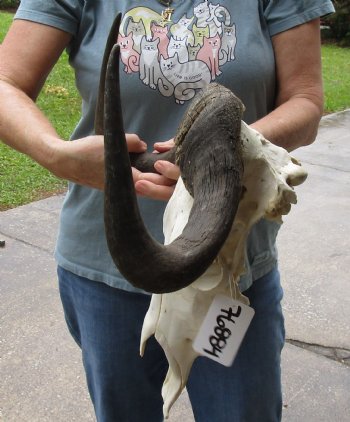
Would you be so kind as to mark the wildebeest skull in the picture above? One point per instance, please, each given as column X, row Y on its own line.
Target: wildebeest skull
column 230, row 178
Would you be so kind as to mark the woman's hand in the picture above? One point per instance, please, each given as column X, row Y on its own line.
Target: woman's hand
column 158, row 186
column 82, row 161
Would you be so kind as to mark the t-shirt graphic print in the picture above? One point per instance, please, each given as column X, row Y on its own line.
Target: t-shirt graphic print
column 177, row 57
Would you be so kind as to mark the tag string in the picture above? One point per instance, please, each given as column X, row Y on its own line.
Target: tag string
column 231, row 282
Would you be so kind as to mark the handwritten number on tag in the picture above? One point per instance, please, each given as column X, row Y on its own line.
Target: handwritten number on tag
column 229, row 315
column 222, row 330
column 218, row 341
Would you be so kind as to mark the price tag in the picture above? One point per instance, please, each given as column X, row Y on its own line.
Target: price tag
column 223, row 329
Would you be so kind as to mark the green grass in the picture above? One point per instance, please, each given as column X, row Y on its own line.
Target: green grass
column 5, row 22
column 336, row 77
column 22, row 180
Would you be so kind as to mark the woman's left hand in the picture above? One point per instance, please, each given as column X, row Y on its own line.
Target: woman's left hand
column 158, row 186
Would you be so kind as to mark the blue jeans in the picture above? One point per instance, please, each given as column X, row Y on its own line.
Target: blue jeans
column 107, row 322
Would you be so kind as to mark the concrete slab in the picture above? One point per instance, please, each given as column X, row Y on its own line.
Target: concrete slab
column 316, row 389
column 40, row 365
column 314, row 242
column 332, row 147
column 35, row 224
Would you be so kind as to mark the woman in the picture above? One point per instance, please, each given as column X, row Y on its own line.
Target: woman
column 268, row 53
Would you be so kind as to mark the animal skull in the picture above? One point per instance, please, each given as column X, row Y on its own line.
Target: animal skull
column 263, row 190
column 174, row 318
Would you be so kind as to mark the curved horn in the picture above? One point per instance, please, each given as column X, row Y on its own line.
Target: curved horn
column 211, row 165
column 143, row 161
column 111, row 40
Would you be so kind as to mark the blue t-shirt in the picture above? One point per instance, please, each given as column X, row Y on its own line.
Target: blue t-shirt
column 164, row 65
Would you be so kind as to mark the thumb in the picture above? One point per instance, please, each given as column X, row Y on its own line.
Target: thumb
column 134, row 143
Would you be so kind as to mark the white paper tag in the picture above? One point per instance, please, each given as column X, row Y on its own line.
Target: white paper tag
column 223, row 329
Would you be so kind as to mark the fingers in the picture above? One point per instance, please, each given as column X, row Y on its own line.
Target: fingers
column 155, row 178
column 169, row 170
column 164, row 146
column 135, row 144
column 152, row 185
column 151, row 190
column 157, row 186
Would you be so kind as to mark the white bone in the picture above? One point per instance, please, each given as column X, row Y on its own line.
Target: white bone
column 174, row 318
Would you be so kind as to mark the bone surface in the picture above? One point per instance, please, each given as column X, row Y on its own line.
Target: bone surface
column 174, row 318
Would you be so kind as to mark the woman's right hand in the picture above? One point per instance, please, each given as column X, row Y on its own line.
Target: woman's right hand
column 82, row 161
